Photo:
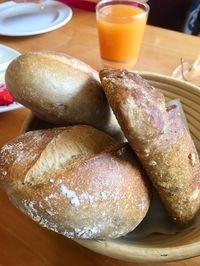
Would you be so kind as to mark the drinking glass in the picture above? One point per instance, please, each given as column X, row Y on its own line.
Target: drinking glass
column 121, row 26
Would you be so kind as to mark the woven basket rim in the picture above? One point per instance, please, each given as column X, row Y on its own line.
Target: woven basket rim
column 169, row 79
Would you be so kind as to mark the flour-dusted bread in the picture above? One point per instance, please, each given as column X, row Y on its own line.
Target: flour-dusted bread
column 58, row 88
column 76, row 181
column 161, row 140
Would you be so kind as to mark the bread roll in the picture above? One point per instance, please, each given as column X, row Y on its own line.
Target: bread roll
column 160, row 139
column 76, row 181
column 58, row 88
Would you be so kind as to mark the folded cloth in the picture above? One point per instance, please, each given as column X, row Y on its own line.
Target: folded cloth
column 5, row 97
column 83, row 4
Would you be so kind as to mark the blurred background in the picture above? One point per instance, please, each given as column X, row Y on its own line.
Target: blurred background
column 178, row 15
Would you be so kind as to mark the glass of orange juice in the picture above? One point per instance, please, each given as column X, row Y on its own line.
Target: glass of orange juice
column 121, row 26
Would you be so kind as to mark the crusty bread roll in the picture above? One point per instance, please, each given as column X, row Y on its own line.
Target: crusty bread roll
column 76, row 181
column 161, row 140
column 61, row 90
column 58, row 88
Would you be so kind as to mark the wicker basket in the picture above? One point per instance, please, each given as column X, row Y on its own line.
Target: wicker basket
column 155, row 247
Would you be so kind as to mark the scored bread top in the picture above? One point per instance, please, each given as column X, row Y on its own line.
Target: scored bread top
column 37, row 150
column 76, row 181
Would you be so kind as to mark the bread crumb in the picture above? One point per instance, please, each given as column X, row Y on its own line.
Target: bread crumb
column 194, row 194
column 191, row 157
column 153, row 163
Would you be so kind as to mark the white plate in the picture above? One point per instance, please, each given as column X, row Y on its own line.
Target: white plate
column 24, row 19
column 10, row 107
column 7, row 54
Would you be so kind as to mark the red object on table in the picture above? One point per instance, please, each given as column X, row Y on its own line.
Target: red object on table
column 82, row 4
column 5, row 97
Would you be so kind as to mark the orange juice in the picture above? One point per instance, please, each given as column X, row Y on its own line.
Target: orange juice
column 121, row 28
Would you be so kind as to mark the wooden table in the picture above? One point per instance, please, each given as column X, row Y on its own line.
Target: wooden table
column 22, row 241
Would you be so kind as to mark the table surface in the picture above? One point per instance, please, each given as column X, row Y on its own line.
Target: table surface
column 23, row 242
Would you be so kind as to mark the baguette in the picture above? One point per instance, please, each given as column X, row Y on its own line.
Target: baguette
column 160, row 139
column 76, row 181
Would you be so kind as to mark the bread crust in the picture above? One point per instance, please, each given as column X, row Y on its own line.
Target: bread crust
column 160, row 139
column 79, row 185
column 58, row 88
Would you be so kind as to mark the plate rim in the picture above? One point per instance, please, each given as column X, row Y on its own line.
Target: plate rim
column 13, row 54
column 10, row 107
column 64, row 21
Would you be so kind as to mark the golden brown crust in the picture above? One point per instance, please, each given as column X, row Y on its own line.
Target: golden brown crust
column 58, row 88
column 160, row 139
column 80, row 183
